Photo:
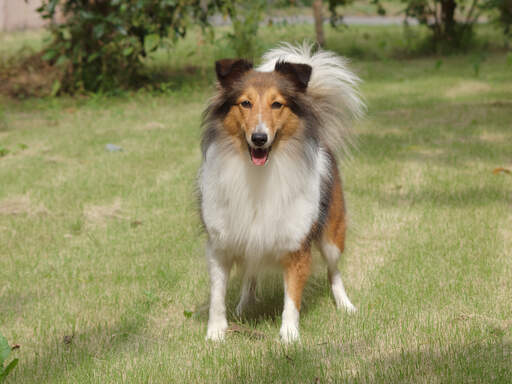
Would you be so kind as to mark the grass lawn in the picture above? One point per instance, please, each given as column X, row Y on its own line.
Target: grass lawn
column 102, row 274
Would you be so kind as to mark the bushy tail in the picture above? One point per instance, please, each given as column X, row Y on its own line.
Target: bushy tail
column 332, row 86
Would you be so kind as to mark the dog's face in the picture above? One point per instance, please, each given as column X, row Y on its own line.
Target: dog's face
column 262, row 105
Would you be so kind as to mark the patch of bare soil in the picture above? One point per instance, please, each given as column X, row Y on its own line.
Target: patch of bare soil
column 467, row 88
column 19, row 205
column 150, row 126
column 98, row 215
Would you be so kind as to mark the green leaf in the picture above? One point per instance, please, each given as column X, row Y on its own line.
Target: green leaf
column 127, row 51
column 5, row 350
column 86, row 15
column 66, row 35
column 8, row 369
column 55, row 88
column 151, row 42
column 62, row 60
column 98, row 30
column 188, row 314
column 92, row 57
column 49, row 55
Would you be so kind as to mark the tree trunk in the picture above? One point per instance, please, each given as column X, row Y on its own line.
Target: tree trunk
column 448, row 18
column 319, row 22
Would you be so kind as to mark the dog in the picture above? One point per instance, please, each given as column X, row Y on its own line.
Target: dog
column 269, row 184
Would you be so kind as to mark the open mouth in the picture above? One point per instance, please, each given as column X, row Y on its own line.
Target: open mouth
column 259, row 156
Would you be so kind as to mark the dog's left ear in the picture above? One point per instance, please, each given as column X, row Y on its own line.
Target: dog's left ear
column 230, row 70
column 298, row 74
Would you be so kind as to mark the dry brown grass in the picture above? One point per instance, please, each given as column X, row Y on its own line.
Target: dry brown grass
column 494, row 137
column 21, row 205
column 150, row 126
column 467, row 88
column 28, row 76
column 99, row 215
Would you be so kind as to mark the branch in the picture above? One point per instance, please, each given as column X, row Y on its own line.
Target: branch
column 470, row 13
column 434, row 12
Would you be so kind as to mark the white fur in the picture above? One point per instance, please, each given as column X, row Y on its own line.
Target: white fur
column 332, row 85
column 331, row 254
column 290, row 326
column 256, row 213
column 219, row 267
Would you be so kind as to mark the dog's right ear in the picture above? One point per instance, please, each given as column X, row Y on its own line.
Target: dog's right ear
column 230, row 70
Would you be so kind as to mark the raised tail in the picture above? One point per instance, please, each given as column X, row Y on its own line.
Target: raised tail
column 333, row 87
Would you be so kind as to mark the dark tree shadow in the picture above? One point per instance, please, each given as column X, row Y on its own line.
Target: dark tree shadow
column 480, row 362
column 76, row 349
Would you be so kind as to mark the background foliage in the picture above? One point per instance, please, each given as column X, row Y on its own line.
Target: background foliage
column 101, row 43
column 246, row 18
column 504, row 14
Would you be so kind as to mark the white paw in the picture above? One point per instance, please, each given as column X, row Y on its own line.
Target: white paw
column 289, row 333
column 346, row 305
column 349, row 307
column 216, row 331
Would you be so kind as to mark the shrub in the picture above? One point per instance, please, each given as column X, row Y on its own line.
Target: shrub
column 100, row 45
column 439, row 16
column 246, row 18
column 504, row 16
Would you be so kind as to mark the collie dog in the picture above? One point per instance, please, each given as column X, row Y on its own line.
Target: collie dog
column 269, row 183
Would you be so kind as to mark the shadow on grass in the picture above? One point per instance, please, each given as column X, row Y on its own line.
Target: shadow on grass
column 487, row 361
column 448, row 134
column 461, row 197
column 84, row 347
column 470, row 136
column 269, row 299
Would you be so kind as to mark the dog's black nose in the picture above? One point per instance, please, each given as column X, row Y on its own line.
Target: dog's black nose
column 259, row 139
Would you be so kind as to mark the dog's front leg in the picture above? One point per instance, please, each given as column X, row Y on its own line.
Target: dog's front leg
column 296, row 268
column 219, row 266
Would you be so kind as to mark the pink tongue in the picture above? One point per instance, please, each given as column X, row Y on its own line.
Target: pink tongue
column 261, row 160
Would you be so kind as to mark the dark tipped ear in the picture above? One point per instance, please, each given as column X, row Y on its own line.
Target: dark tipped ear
column 230, row 70
column 299, row 74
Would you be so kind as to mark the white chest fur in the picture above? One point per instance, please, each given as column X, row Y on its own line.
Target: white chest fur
column 256, row 211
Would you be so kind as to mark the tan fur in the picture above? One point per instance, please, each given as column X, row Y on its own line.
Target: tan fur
column 261, row 91
column 336, row 226
column 297, row 267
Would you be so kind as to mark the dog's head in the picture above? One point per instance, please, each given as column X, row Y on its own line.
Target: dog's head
column 259, row 109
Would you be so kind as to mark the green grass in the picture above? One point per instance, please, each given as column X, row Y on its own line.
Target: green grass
column 102, row 273
column 24, row 40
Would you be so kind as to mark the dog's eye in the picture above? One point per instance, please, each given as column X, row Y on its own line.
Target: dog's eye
column 246, row 104
column 276, row 105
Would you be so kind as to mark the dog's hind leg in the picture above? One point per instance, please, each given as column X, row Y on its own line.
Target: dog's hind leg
column 331, row 254
column 248, row 292
column 332, row 242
